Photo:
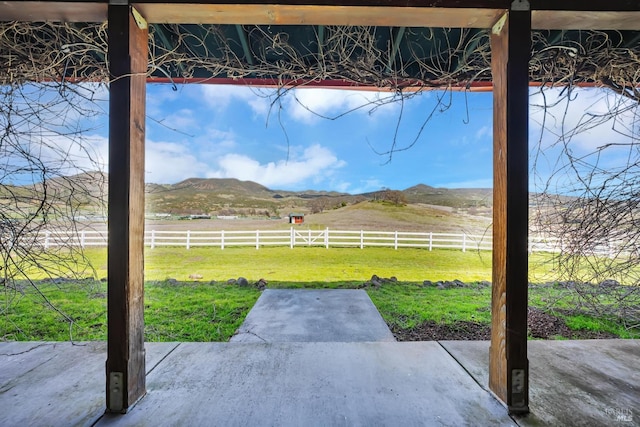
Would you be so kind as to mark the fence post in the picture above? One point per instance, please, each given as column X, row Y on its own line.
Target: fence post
column 361, row 239
column 257, row 239
column 464, row 242
column 153, row 239
column 47, row 235
column 82, row 239
column 222, row 239
column 326, row 238
column 431, row 240
column 292, row 239
column 610, row 246
column 188, row 239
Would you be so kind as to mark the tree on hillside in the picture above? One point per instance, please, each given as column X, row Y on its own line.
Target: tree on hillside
column 319, row 204
column 394, row 196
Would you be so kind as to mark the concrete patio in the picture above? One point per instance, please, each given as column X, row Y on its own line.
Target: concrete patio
column 273, row 381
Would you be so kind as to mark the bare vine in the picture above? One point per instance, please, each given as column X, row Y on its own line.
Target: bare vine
column 47, row 181
column 591, row 204
column 365, row 56
column 601, row 203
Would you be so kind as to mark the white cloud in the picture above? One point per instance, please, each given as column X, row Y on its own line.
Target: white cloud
column 75, row 154
column 315, row 163
column 342, row 187
column 366, row 186
column 220, row 96
column 583, row 121
column 182, row 119
column 474, row 183
column 168, row 162
column 302, row 104
column 484, row 132
column 579, row 137
column 224, row 140
column 309, row 104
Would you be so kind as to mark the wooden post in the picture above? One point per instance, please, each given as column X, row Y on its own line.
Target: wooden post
column 510, row 51
column 326, row 238
column 128, row 67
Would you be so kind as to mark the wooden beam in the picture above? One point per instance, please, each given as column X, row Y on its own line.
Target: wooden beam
column 585, row 5
column 547, row 14
column 56, row 11
column 585, row 20
column 128, row 38
column 279, row 14
column 508, row 365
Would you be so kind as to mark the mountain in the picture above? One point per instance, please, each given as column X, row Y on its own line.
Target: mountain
column 229, row 196
column 232, row 196
column 223, row 186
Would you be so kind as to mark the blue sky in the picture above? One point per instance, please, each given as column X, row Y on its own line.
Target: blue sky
column 251, row 134
column 212, row 131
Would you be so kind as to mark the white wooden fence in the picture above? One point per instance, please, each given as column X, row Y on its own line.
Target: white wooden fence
column 326, row 238
column 287, row 237
column 295, row 237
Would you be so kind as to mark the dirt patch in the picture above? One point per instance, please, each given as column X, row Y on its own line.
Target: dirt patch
column 544, row 325
column 541, row 325
column 432, row 331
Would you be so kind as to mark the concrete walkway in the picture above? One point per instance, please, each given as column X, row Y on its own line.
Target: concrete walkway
column 285, row 383
column 313, row 315
column 572, row 383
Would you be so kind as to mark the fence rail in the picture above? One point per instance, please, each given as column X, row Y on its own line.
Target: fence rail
column 295, row 237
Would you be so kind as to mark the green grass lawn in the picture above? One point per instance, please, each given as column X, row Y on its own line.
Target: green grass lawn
column 308, row 264
column 211, row 310
column 173, row 312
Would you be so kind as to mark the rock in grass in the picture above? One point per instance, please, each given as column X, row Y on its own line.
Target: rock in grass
column 609, row 283
column 261, row 284
column 242, row 282
column 375, row 281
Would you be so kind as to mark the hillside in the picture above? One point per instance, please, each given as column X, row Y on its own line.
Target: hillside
column 426, row 208
column 388, row 217
column 231, row 196
column 453, row 197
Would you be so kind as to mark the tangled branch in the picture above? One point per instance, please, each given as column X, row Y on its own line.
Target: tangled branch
column 597, row 216
column 385, row 58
